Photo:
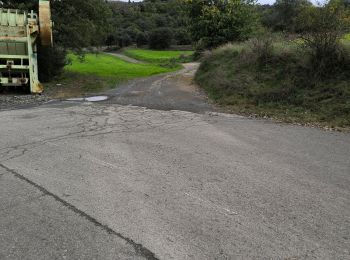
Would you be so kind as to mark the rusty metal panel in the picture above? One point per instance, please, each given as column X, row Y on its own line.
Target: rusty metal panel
column 45, row 23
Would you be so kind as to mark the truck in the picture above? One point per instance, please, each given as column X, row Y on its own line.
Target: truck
column 20, row 33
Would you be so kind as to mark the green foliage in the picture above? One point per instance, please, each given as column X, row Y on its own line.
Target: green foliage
column 283, row 15
column 183, row 37
column 139, row 19
column 282, row 88
column 20, row 4
column 80, row 23
column 160, row 38
column 217, row 22
column 262, row 48
column 323, row 29
column 51, row 62
column 142, row 39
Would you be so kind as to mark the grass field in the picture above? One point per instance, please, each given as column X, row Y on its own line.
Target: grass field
column 104, row 65
column 98, row 72
column 159, row 56
column 346, row 41
column 347, row 37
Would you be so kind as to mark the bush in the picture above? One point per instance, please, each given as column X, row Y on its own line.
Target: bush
column 123, row 39
column 323, row 30
column 111, row 40
column 51, row 62
column 262, row 48
column 141, row 39
column 283, row 89
column 160, row 38
column 183, row 37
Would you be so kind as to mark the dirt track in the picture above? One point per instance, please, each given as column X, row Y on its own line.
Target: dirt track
column 174, row 91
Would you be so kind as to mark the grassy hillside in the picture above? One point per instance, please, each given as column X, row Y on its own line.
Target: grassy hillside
column 279, row 87
column 159, row 56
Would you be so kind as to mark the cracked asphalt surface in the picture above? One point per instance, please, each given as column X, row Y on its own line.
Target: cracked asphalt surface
column 107, row 180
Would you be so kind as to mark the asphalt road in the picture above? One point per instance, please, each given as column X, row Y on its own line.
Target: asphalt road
column 81, row 180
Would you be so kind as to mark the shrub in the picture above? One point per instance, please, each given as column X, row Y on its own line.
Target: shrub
column 323, row 30
column 262, row 48
column 160, row 38
column 283, row 89
column 141, row 39
column 51, row 62
column 183, row 37
column 123, row 39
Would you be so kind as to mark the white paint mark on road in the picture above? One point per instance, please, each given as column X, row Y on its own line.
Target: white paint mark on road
column 75, row 99
column 96, row 98
column 89, row 99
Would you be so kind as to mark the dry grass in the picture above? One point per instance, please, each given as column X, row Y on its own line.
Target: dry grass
column 279, row 87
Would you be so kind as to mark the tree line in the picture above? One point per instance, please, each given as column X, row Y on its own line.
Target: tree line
column 205, row 24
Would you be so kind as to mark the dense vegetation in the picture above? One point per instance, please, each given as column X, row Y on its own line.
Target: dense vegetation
column 213, row 23
column 157, row 23
column 306, row 79
column 289, row 59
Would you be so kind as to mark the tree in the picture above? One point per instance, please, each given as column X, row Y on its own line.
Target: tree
column 182, row 37
column 160, row 38
column 323, row 28
column 146, row 16
column 283, row 14
column 215, row 22
column 142, row 39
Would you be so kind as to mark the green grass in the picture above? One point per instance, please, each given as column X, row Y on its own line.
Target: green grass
column 281, row 89
column 346, row 41
column 104, row 65
column 97, row 72
column 153, row 56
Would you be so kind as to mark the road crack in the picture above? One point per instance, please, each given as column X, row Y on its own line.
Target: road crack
column 139, row 249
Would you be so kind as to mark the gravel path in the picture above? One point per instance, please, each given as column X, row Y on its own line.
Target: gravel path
column 172, row 91
column 13, row 101
column 125, row 58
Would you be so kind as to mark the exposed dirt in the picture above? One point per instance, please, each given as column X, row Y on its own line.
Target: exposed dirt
column 173, row 91
column 125, row 58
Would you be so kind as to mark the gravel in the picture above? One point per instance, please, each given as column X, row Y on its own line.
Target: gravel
column 11, row 101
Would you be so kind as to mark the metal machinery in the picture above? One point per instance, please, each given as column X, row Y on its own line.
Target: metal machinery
column 19, row 33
